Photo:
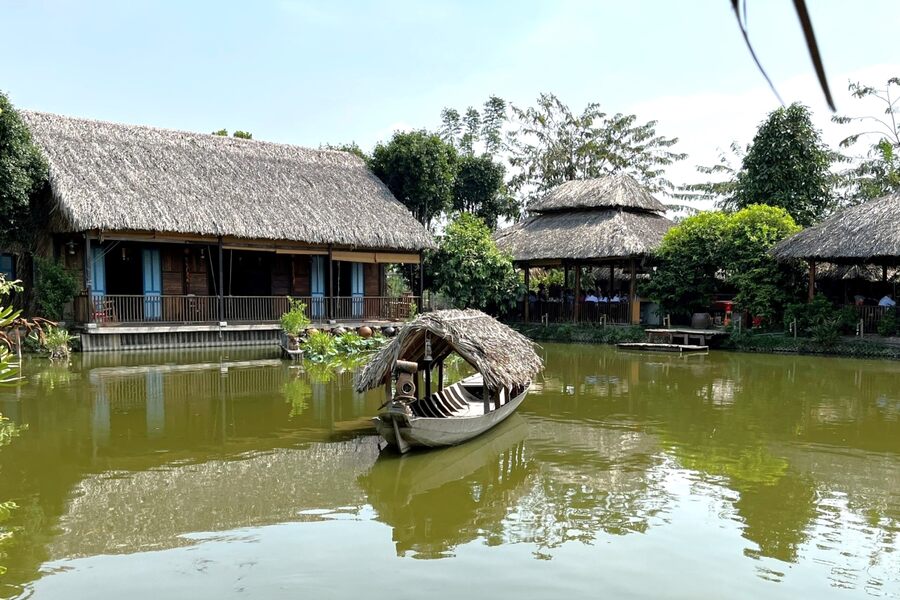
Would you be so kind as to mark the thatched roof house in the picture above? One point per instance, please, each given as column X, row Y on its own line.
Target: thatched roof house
column 598, row 219
column 866, row 233
column 504, row 357
column 115, row 177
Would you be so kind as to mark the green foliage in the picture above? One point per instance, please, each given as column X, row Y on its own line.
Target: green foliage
column 714, row 251
column 877, row 173
column 820, row 320
column 724, row 182
column 353, row 344
column 419, row 168
column 353, row 148
column 56, row 341
column 551, row 145
column 688, row 261
column 888, row 325
column 786, row 165
column 582, row 333
column 469, row 270
column 294, row 321
column 479, row 189
column 244, row 135
column 397, row 285
column 54, row 287
column 319, row 347
column 464, row 131
column 547, row 277
column 23, row 173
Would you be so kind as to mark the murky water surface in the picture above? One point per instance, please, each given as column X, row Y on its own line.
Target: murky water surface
column 233, row 474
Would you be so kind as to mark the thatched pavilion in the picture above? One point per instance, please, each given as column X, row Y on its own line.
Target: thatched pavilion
column 166, row 227
column 866, row 234
column 612, row 221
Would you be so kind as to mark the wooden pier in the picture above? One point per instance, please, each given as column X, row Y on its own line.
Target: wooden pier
column 672, row 348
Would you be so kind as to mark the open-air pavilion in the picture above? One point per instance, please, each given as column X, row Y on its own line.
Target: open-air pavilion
column 611, row 222
column 864, row 235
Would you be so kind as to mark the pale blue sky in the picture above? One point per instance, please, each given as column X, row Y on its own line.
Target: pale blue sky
column 307, row 72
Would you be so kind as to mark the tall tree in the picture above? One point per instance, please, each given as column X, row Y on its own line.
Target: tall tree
column 877, row 172
column 720, row 189
column 479, row 189
column 786, row 165
column 551, row 144
column 23, row 172
column 419, row 168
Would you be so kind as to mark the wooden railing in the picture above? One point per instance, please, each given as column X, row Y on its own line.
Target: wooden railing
column 117, row 309
column 588, row 312
column 872, row 315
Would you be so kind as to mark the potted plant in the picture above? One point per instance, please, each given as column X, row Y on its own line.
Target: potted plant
column 294, row 322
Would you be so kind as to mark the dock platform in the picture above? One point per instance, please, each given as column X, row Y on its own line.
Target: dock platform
column 648, row 347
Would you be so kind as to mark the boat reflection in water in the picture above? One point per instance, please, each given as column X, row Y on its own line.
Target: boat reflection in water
column 437, row 500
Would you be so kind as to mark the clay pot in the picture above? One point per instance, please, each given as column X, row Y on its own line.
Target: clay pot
column 389, row 331
column 701, row 321
column 364, row 332
column 339, row 331
column 311, row 331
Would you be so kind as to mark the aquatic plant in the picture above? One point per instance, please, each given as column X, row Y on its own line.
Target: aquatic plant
column 55, row 341
column 320, row 346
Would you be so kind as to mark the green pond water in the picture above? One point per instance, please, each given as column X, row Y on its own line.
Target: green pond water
column 232, row 474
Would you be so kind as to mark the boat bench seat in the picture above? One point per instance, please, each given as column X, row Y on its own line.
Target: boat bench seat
column 448, row 402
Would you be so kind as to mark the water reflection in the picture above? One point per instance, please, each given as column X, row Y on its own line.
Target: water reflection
column 795, row 459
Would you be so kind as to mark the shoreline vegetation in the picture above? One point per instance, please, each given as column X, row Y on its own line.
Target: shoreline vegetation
column 771, row 343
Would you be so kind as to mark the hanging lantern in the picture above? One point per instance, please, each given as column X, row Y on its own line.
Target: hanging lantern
column 428, row 357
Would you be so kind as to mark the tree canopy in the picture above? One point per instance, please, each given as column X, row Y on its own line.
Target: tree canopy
column 470, row 270
column 786, row 165
column 420, row 169
column 714, row 252
column 479, row 189
column 23, row 172
column 877, row 173
column 551, row 144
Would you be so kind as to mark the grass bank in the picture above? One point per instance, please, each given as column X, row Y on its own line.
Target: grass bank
column 587, row 334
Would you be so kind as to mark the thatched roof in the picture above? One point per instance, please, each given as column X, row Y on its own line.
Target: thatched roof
column 110, row 176
column 504, row 357
column 584, row 235
column 869, row 232
column 613, row 191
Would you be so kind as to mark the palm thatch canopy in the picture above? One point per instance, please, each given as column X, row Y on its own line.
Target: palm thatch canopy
column 612, row 217
column 613, row 191
column 869, row 232
column 584, row 235
column 504, row 357
column 109, row 176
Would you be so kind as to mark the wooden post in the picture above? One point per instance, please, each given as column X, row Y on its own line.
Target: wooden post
column 633, row 303
column 812, row 280
column 884, row 273
column 577, row 292
column 565, row 277
column 329, row 306
column 387, row 389
column 441, row 375
column 221, row 286
column 418, row 383
column 88, row 266
column 527, row 290
column 486, row 397
column 612, row 280
column 421, row 281
column 427, row 380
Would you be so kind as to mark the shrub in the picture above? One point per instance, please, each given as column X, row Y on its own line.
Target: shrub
column 294, row 321
column 320, row 346
column 888, row 325
column 816, row 318
column 55, row 341
column 54, row 287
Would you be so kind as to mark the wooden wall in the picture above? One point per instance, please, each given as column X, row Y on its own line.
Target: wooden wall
column 301, row 275
column 372, row 279
column 172, row 270
column 282, row 275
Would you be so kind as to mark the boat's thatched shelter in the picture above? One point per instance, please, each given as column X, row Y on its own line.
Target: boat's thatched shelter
column 868, row 233
column 612, row 221
column 115, row 177
column 505, row 358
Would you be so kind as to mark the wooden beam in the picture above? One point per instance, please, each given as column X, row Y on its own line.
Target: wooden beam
column 421, row 282
column 88, row 265
column 360, row 257
column 634, row 305
column 220, row 288
column 812, row 280
column 397, row 258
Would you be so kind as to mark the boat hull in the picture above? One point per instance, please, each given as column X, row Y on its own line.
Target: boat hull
column 431, row 432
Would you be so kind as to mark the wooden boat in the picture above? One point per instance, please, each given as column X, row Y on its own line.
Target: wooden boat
column 413, row 415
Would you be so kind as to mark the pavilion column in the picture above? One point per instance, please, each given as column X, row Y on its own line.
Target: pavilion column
column 421, row 281
column 633, row 303
column 88, row 265
column 812, row 280
column 612, row 280
column 221, row 287
column 577, row 310
column 884, row 273
column 527, row 290
column 565, row 276
column 329, row 306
